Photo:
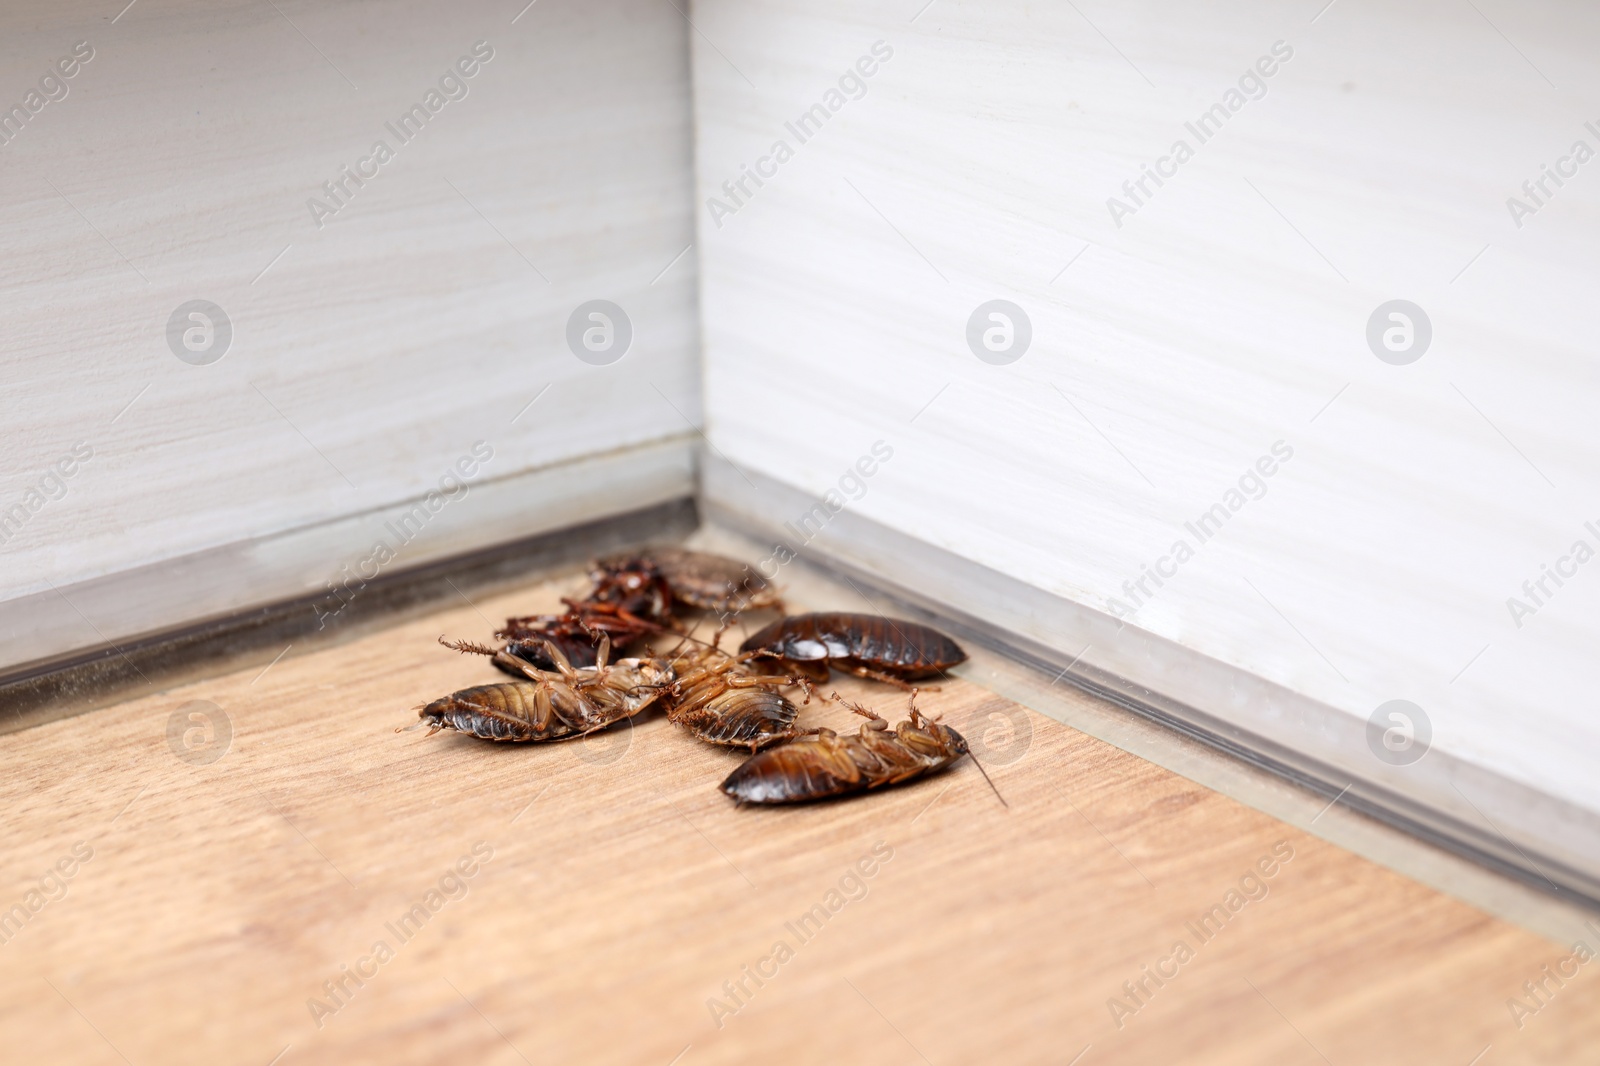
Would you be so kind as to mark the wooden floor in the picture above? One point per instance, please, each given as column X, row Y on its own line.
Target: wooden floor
column 615, row 905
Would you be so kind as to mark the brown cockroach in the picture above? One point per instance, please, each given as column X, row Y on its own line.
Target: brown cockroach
column 577, row 633
column 869, row 645
column 717, row 699
column 563, row 704
column 825, row 765
column 697, row 579
column 632, row 584
column 633, row 597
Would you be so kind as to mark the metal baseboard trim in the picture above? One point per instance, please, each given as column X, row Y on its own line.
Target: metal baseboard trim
column 110, row 675
column 331, row 558
column 96, row 643
column 1499, row 823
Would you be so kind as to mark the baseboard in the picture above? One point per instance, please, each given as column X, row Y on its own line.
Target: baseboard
column 86, row 645
column 1506, row 825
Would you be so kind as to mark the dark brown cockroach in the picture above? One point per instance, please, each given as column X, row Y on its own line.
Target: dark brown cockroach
column 717, row 698
column 825, row 765
column 576, row 632
column 563, row 704
column 578, row 650
column 697, row 579
column 869, row 645
column 633, row 585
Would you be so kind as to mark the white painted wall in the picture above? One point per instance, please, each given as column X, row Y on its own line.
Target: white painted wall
column 368, row 353
column 1226, row 314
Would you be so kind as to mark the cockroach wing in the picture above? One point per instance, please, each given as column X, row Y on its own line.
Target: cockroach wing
column 911, row 646
column 769, row 638
column 803, row 638
column 712, row 582
column 805, row 769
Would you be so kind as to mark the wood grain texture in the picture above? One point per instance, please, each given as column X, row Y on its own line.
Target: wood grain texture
column 369, row 353
column 1171, row 352
column 623, row 890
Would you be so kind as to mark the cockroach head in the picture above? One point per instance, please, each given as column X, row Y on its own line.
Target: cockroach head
column 956, row 741
column 434, row 714
column 654, row 672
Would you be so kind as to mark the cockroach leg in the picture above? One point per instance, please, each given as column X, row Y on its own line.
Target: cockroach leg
column 878, row 675
column 517, row 666
column 468, row 647
column 672, row 653
column 874, row 719
column 815, row 672
column 563, row 664
column 505, row 659
column 918, row 719
column 758, row 680
column 583, row 623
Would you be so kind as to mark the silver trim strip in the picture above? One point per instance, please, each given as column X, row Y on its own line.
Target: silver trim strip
column 42, row 628
column 1470, row 809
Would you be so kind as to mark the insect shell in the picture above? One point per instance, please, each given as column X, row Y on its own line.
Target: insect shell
column 698, row 579
column 870, row 645
column 720, row 701
column 563, row 704
column 824, row 765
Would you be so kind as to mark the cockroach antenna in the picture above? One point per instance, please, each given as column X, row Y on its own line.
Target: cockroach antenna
column 987, row 778
column 688, row 638
column 911, row 704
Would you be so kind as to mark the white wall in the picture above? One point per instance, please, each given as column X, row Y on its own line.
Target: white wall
column 369, row 353
column 1226, row 314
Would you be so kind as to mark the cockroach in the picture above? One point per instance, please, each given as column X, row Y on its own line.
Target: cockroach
column 717, row 699
column 578, row 649
column 697, row 579
column 563, row 704
column 869, row 645
column 633, row 585
column 824, row 764
column 576, row 633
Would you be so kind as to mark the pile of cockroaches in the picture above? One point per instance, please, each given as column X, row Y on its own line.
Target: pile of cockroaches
column 568, row 685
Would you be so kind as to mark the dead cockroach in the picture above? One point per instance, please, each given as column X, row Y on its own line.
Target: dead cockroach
column 697, row 579
column 562, row 704
column 576, row 633
column 632, row 584
column 577, row 649
column 869, row 645
column 720, row 701
column 824, row 765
